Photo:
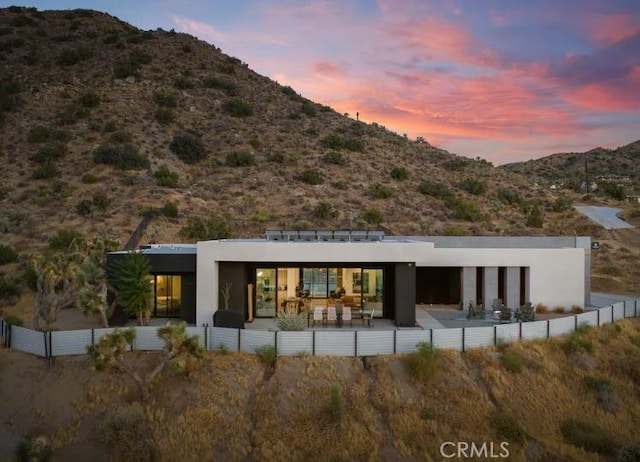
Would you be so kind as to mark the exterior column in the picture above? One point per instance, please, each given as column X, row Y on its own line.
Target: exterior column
column 469, row 282
column 490, row 286
column 512, row 287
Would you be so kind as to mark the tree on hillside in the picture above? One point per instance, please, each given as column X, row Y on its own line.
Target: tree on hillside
column 56, row 286
column 110, row 353
column 131, row 279
column 92, row 279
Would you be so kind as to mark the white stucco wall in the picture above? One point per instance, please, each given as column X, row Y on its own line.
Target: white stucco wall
column 556, row 275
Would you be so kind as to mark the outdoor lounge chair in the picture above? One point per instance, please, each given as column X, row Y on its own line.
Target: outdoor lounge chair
column 331, row 315
column 318, row 315
column 346, row 315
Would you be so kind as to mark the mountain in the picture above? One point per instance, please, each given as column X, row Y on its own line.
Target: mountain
column 621, row 164
column 101, row 122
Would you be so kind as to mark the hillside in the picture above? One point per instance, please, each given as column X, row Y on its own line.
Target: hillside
column 101, row 122
column 568, row 399
column 621, row 164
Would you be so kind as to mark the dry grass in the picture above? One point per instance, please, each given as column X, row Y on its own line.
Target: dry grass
column 227, row 408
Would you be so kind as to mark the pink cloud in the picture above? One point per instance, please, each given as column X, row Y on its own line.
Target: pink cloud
column 610, row 29
column 326, row 68
column 435, row 39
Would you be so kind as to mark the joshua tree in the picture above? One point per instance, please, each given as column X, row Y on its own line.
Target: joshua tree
column 92, row 279
column 111, row 352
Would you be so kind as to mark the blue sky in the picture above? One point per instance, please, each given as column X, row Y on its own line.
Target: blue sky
column 505, row 80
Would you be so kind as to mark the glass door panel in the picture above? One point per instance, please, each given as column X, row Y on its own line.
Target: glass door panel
column 266, row 299
column 373, row 290
column 168, row 296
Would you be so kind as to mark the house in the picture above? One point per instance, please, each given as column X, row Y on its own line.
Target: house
column 388, row 274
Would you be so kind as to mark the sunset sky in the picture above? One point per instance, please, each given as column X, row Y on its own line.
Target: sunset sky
column 505, row 80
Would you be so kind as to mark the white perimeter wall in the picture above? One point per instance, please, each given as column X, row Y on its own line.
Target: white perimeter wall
column 556, row 275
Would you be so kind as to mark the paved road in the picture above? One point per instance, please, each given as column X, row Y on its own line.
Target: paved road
column 600, row 299
column 604, row 216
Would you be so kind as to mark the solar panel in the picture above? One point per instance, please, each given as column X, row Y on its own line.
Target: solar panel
column 324, row 235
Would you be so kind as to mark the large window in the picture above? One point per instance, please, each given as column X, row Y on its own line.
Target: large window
column 167, row 295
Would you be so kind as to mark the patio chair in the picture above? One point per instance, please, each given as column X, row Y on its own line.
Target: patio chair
column 318, row 315
column 504, row 314
column 346, row 315
column 368, row 317
column 526, row 313
column 331, row 315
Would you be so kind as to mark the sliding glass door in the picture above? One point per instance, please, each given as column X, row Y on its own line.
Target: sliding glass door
column 266, row 293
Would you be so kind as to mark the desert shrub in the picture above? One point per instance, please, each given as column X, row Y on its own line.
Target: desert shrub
column 596, row 383
column 339, row 142
column 434, row 189
column 508, row 196
column 334, row 157
column 166, row 178
column 71, row 114
column 125, row 157
column 240, row 159
column 7, row 255
column 69, row 57
column 558, row 309
column 339, row 184
column 9, row 318
column 120, row 137
column 237, row 107
column 125, row 431
column 325, row 210
column 183, row 83
column 34, row 449
column 399, row 173
column 64, row 238
column 110, row 126
column 561, row 204
column 165, row 98
column 287, row 90
column 165, row 116
column 46, row 171
column 512, row 361
column 202, row 229
column 373, row 216
column 169, row 210
column 267, row 355
column 473, row 186
column 456, row 165
column 336, row 407
column 613, row 190
column 101, row 201
column 465, row 210
column 311, row 176
column 575, row 309
column 89, row 99
column 587, row 436
column 38, row 134
column 188, row 147
column 427, row 414
column 630, row 453
column 221, row 84
column 507, row 427
column 541, row 308
column 455, row 231
column 49, row 153
column 576, row 343
column 89, row 178
column 380, row 191
column 277, row 157
column 9, row 290
column 534, row 215
column 424, row 362
column 84, row 208
column 309, row 109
